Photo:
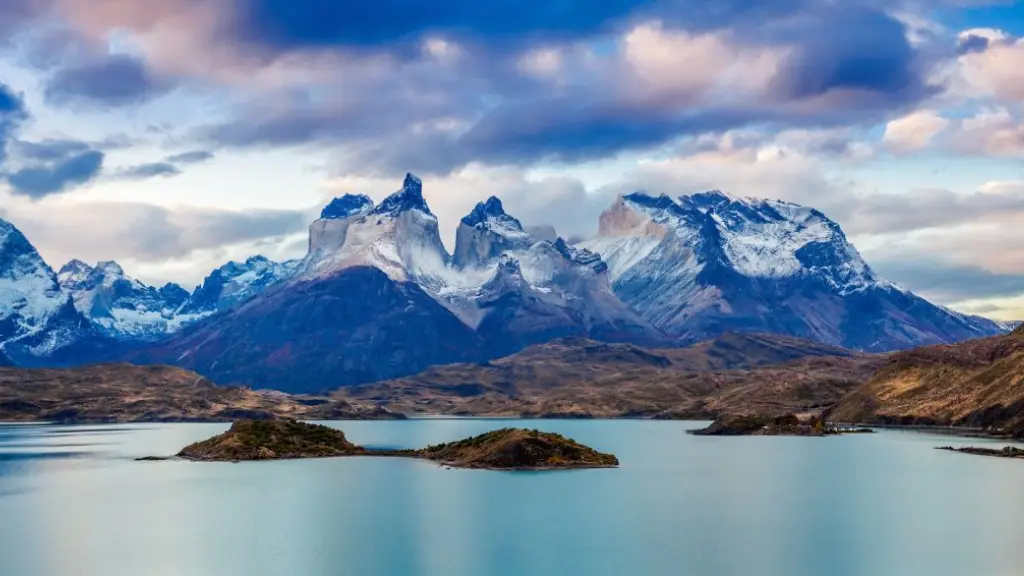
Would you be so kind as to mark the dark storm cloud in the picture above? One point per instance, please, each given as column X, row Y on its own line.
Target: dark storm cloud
column 45, row 167
column 37, row 181
column 858, row 48
column 850, row 49
column 12, row 113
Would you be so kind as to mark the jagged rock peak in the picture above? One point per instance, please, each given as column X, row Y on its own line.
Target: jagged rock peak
column 484, row 211
column 74, row 272
column 581, row 256
column 410, row 197
column 347, row 205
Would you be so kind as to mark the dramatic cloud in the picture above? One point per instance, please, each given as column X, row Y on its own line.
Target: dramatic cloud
column 396, row 86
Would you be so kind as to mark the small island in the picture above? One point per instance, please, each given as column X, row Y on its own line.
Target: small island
column 1006, row 452
column 271, row 440
column 518, row 449
column 505, row 449
column 788, row 425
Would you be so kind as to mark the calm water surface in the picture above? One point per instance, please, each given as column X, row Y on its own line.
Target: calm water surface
column 73, row 501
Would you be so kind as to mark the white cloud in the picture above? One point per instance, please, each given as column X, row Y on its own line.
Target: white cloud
column 998, row 70
column 676, row 67
column 914, row 131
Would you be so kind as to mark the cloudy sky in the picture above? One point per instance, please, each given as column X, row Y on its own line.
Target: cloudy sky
column 172, row 136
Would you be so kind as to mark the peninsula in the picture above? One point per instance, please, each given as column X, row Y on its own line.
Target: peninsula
column 788, row 425
column 1006, row 452
column 505, row 449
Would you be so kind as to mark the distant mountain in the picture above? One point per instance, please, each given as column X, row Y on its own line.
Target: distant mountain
column 662, row 272
column 377, row 268
column 122, row 307
column 535, row 290
column 234, row 283
column 710, row 262
column 1009, row 325
column 38, row 320
column 357, row 325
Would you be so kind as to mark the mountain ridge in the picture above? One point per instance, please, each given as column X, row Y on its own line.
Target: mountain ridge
column 661, row 272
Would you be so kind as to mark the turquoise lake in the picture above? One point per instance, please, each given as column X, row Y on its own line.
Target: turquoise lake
column 73, row 501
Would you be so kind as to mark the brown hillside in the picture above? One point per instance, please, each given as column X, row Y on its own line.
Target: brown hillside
column 128, row 393
column 979, row 383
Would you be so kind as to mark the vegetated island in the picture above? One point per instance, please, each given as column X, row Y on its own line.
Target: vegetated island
column 505, row 449
column 788, row 425
column 1006, row 452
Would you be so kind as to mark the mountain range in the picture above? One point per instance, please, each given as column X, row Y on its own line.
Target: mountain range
column 378, row 295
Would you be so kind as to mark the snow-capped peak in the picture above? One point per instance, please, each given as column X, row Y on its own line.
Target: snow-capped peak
column 236, row 282
column 347, row 205
column 486, row 233
column 756, row 238
column 410, row 197
column 121, row 306
column 31, row 299
column 109, row 268
column 484, row 211
column 399, row 237
column 74, row 272
column 581, row 256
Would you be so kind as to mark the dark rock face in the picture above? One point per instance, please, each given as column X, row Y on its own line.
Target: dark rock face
column 347, row 205
column 352, row 327
column 410, row 197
